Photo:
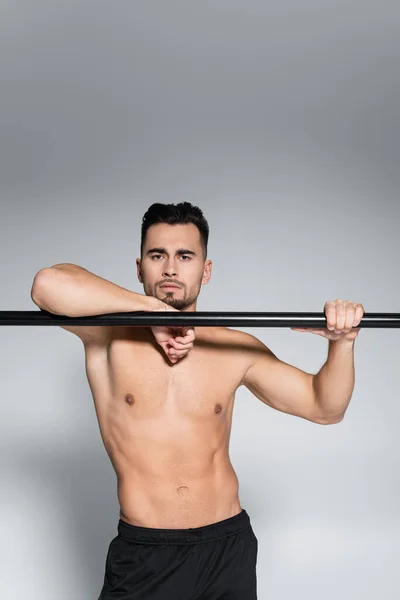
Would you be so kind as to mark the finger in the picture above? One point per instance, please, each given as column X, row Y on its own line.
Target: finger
column 179, row 352
column 184, row 340
column 176, row 355
column 186, row 330
column 172, row 353
column 359, row 314
column 340, row 315
column 188, row 335
column 350, row 314
column 179, row 345
column 330, row 312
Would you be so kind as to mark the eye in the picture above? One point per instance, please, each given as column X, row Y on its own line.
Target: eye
column 160, row 256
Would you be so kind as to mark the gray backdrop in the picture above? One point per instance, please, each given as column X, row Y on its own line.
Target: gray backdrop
column 281, row 121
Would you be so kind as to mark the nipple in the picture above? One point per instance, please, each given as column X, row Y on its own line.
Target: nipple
column 129, row 399
column 217, row 408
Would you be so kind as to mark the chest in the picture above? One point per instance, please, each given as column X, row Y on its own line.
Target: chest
column 143, row 383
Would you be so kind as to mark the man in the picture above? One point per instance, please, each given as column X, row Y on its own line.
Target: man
column 164, row 400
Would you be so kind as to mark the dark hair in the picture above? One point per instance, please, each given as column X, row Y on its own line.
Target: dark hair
column 173, row 214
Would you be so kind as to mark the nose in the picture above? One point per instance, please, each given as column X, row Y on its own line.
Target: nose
column 169, row 268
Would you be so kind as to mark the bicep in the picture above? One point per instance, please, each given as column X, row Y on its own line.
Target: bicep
column 98, row 335
column 278, row 384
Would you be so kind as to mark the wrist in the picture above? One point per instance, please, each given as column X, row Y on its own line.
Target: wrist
column 344, row 340
column 154, row 304
column 342, row 343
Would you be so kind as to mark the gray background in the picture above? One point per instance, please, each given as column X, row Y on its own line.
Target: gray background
column 281, row 121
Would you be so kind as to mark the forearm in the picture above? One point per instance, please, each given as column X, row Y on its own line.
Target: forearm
column 73, row 291
column 334, row 384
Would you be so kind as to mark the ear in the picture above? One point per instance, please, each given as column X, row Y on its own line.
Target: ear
column 207, row 272
column 139, row 269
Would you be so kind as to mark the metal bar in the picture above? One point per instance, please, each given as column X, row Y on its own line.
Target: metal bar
column 315, row 320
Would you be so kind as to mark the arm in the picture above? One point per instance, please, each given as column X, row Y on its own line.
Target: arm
column 334, row 384
column 282, row 386
column 73, row 291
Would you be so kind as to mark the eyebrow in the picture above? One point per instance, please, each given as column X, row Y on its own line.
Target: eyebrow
column 180, row 251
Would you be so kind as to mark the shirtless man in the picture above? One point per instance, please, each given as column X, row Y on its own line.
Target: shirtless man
column 164, row 400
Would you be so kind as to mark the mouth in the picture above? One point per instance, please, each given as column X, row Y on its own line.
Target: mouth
column 170, row 287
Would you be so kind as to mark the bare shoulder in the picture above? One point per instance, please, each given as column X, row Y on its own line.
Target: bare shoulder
column 245, row 344
column 250, row 341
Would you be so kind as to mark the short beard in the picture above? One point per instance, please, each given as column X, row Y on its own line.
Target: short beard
column 178, row 303
column 169, row 297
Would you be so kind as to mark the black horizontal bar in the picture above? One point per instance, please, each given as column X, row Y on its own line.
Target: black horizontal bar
column 316, row 320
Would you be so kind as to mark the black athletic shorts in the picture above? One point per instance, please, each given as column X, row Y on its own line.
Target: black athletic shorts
column 213, row 562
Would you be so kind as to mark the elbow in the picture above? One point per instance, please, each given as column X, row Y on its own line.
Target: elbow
column 40, row 282
column 330, row 420
column 37, row 284
column 327, row 419
column 323, row 418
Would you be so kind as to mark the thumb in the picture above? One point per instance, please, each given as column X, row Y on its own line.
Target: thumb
column 184, row 330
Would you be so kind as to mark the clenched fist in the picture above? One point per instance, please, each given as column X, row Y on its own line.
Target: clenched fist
column 342, row 319
column 175, row 341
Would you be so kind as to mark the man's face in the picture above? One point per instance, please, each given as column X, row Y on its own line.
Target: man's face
column 173, row 254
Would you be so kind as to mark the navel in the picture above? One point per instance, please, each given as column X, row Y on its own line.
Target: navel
column 217, row 408
column 182, row 489
column 129, row 399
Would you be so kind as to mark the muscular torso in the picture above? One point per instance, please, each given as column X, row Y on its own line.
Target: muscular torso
column 166, row 427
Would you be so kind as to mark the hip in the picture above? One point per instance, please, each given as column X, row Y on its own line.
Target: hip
column 179, row 503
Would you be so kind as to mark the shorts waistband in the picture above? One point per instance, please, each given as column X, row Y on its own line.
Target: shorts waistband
column 207, row 533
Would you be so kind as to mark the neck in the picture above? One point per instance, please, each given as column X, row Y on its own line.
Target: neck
column 191, row 308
